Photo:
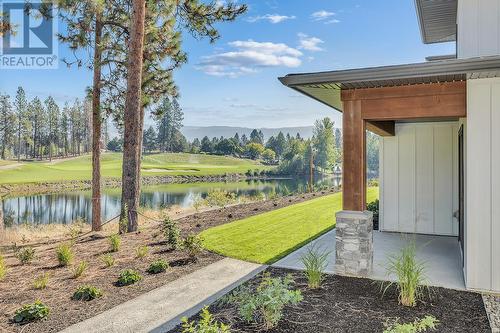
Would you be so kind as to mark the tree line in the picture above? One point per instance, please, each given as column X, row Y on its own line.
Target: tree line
column 40, row 129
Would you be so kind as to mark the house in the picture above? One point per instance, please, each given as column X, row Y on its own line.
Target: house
column 440, row 149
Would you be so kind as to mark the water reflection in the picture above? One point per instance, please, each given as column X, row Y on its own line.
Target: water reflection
column 72, row 206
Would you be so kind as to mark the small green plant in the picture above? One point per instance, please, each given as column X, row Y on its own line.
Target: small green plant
column 3, row 268
column 193, row 244
column 41, row 281
column 64, row 254
column 114, row 243
column 410, row 275
column 374, row 208
column 171, row 232
column 128, row 277
column 87, row 293
column 265, row 305
column 314, row 262
column 220, row 198
column 158, row 266
column 25, row 255
column 418, row 326
column 108, row 260
column 80, row 269
column 206, row 324
column 141, row 251
column 198, row 203
column 31, row 312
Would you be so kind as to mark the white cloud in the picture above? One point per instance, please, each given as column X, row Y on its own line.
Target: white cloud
column 272, row 18
column 322, row 15
column 332, row 21
column 248, row 57
column 309, row 43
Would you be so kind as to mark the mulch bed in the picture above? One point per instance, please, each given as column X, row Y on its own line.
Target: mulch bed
column 17, row 288
column 345, row 304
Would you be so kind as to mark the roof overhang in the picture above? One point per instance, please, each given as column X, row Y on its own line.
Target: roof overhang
column 326, row 87
column 437, row 20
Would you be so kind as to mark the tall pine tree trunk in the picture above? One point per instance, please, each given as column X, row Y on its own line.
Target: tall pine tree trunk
column 96, row 124
column 19, row 141
column 131, row 148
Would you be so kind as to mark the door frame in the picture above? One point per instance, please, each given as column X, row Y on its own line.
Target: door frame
column 461, row 191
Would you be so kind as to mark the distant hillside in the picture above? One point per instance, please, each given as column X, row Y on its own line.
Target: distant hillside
column 191, row 132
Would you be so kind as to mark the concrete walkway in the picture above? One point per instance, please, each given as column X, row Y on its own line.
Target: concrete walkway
column 161, row 309
column 441, row 255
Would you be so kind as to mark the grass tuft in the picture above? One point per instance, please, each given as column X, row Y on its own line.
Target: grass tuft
column 114, row 243
column 315, row 262
column 64, row 254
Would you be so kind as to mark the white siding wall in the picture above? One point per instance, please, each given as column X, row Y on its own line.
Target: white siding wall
column 419, row 179
column 483, row 184
column 478, row 28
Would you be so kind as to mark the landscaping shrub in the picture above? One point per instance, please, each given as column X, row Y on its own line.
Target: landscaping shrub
column 265, row 304
column 418, row 326
column 108, row 260
column 158, row 266
column 220, row 198
column 64, row 254
column 193, row 244
column 171, row 232
column 114, row 243
column 374, row 208
column 31, row 312
column 87, row 293
column 128, row 277
column 198, row 203
column 142, row 251
column 3, row 268
column 41, row 281
column 207, row 324
column 80, row 269
column 410, row 275
column 25, row 255
column 315, row 263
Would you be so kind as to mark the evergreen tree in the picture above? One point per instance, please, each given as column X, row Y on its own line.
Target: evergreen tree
column 23, row 124
column 7, row 125
column 169, row 116
column 52, row 123
column 149, row 140
column 324, row 143
column 206, row 145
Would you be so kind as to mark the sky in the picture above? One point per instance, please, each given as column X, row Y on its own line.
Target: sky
column 233, row 82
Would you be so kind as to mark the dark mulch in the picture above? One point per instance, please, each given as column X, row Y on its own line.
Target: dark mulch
column 346, row 304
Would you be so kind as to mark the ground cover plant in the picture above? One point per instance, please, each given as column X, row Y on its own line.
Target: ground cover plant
column 87, row 293
column 31, row 312
column 345, row 304
column 268, row 237
column 158, row 266
column 128, row 277
column 417, row 326
column 205, row 325
column 25, row 255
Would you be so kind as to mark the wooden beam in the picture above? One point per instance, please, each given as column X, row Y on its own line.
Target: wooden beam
column 382, row 128
column 354, row 165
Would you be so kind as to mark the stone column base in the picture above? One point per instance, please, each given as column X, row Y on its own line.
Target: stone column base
column 354, row 243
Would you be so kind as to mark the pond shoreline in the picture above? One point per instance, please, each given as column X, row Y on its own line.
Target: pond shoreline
column 15, row 190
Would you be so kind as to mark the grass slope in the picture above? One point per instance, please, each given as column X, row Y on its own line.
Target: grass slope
column 268, row 237
column 155, row 164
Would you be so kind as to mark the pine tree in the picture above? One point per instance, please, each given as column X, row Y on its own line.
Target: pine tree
column 7, row 125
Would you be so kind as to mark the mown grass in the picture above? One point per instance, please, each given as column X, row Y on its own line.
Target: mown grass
column 155, row 164
column 268, row 237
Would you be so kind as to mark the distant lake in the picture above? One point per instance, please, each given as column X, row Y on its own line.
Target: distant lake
column 67, row 207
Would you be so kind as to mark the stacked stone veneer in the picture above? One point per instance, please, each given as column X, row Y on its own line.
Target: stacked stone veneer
column 354, row 243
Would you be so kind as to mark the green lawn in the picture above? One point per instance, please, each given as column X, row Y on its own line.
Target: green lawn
column 268, row 237
column 155, row 164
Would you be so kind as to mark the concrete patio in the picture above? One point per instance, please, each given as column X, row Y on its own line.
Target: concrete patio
column 441, row 255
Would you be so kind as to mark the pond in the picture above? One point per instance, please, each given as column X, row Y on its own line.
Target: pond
column 67, row 207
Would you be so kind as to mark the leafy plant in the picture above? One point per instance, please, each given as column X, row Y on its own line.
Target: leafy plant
column 410, row 275
column 418, row 326
column 198, row 203
column 64, row 254
column 193, row 244
column 220, row 198
column 206, row 324
column 374, row 208
column 87, row 293
column 41, row 281
column 265, row 304
column 171, row 232
column 31, row 312
column 128, row 277
column 3, row 268
column 80, row 269
column 108, row 260
column 114, row 243
column 141, row 251
column 25, row 255
column 158, row 266
column 315, row 263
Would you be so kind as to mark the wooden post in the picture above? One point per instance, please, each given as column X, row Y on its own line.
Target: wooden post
column 354, row 149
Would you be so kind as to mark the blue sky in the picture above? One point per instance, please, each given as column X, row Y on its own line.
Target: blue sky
column 234, row 81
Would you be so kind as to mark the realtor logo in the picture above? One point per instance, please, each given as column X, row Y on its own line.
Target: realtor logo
column 31, row 44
